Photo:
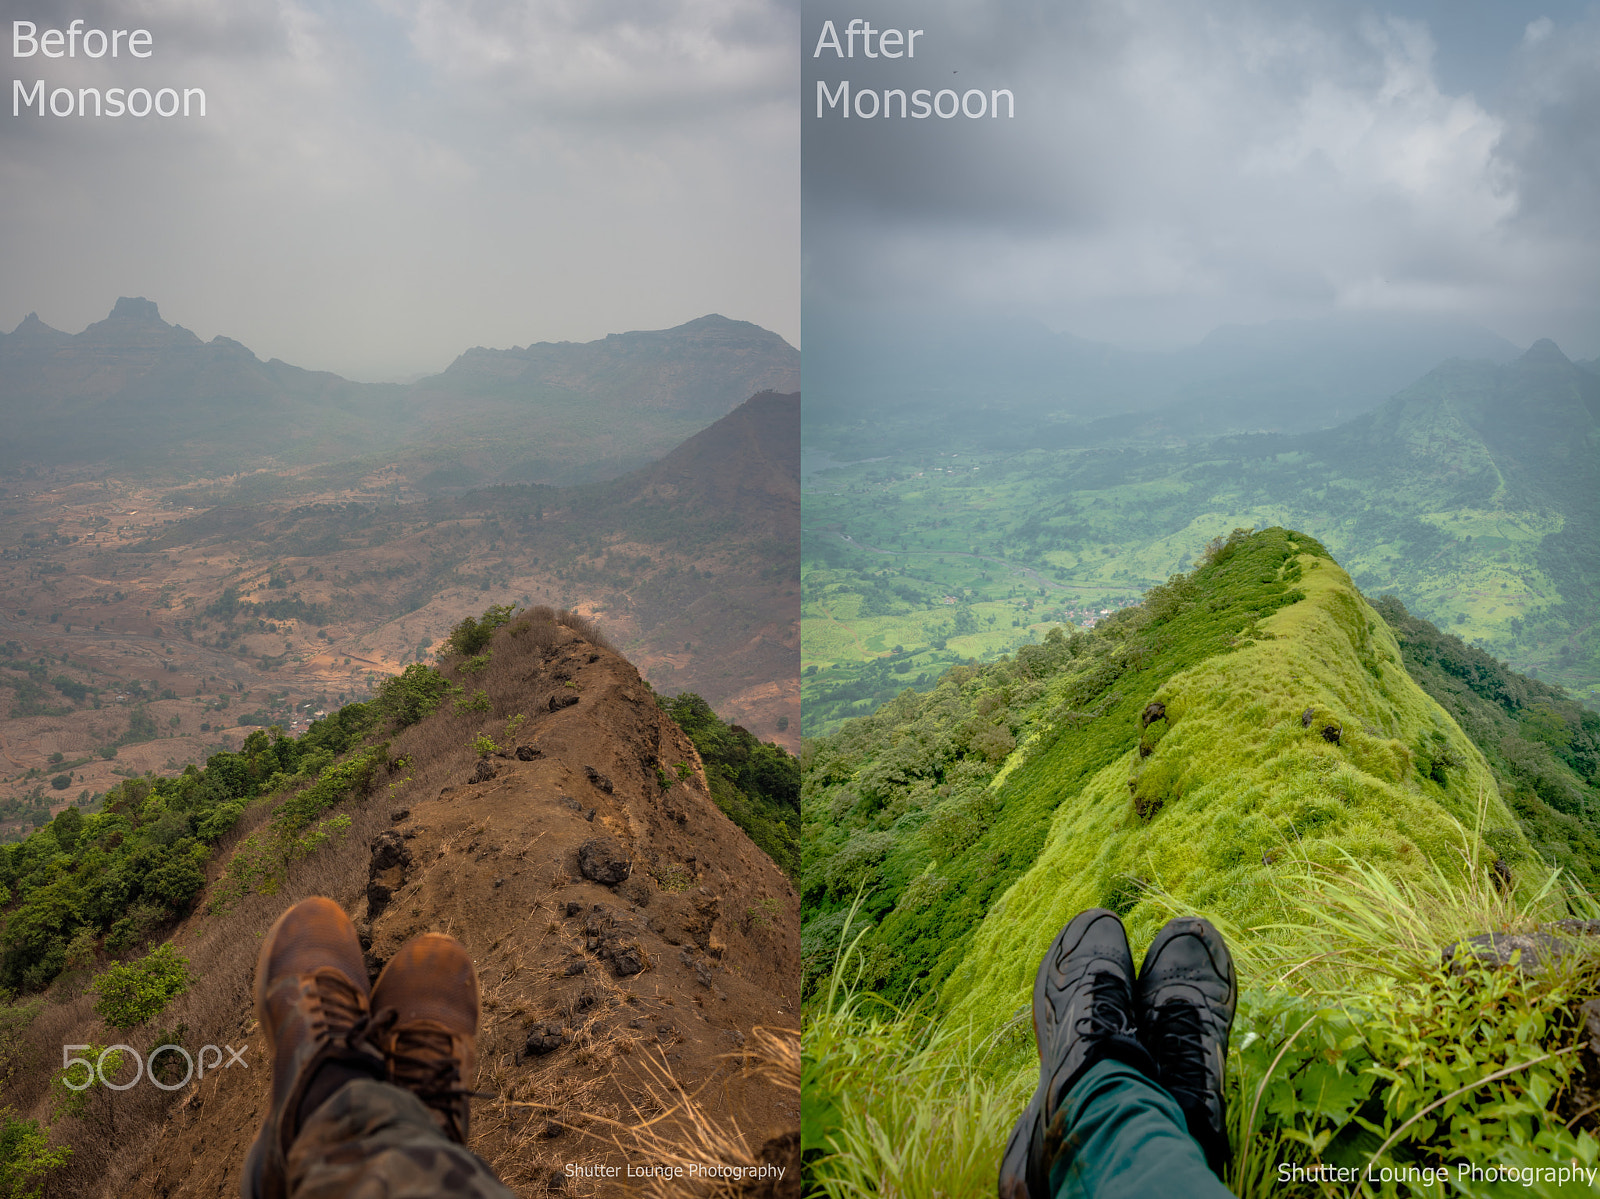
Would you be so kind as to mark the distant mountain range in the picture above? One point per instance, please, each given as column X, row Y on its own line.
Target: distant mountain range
column 141, row 393
column 913, row 377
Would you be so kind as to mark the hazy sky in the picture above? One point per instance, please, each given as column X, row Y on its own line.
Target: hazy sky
column 1176, row 165
column 381, row 184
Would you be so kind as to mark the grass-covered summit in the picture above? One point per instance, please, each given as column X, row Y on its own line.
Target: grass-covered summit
column 1251, row 743
column 1305, row 739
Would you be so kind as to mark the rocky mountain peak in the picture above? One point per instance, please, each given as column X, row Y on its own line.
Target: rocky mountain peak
column 135, row 308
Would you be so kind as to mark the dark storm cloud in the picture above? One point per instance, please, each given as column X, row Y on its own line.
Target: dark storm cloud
column 1175, row 166
column 379, row 185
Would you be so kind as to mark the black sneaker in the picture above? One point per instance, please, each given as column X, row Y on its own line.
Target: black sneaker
column 1186, row 997
column 1083, row 1013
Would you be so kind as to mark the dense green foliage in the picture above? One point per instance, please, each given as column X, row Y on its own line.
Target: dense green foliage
column 1255, row 743
column 26, row 1157
column 1543, row 747
column 414, row 693
column 757, row 784
column 129, row 993
column 904, row 804
column 116, row 876
column 473, row 634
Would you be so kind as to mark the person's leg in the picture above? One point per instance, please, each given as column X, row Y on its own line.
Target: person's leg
column 369, row 1085
column 373, row 1140
column 1185, row 1002
column 1083, row 1014
column 1124, row 1137
column 1129, row 1101
column 311, row 999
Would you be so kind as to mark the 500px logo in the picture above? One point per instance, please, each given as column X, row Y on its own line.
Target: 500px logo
column 96, row 1068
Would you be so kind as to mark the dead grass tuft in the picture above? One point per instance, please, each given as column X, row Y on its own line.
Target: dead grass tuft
column 672, row 1128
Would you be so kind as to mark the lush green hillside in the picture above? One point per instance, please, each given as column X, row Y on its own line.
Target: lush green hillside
column 1248, row 743
column 1473, row 496
column 1544, row 748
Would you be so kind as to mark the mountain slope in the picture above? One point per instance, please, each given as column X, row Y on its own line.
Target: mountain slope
column 676, row 957
column 699, row 369
column 1252, row 744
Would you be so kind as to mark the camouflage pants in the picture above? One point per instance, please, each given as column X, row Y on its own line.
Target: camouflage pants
column 371, row 1140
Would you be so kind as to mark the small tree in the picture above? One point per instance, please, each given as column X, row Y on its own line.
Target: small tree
column 132, row 992
column 26, row 1157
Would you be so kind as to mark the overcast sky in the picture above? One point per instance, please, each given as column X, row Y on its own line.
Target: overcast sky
column 1176, row 165
column 381, row 184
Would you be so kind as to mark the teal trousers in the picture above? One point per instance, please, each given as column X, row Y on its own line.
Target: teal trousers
column 1127, row 1139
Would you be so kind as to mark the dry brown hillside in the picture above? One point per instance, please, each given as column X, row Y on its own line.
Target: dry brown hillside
column 594, row 991
column 142, row 628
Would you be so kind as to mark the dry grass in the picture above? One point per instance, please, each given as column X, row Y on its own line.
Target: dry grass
column 671, row 1127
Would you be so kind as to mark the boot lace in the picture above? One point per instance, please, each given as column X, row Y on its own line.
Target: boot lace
column 1109, row 1006
column 343, row 1008
column 421, row 1059
column 1179, row 1044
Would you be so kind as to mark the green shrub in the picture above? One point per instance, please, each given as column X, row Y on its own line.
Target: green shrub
column 142, row 919
column 26, row 1157
column 479, row 702
column 132, row 992
column 472, row 636
column 412, row 694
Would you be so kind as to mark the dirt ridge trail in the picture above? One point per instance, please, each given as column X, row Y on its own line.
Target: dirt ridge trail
column 615, row 915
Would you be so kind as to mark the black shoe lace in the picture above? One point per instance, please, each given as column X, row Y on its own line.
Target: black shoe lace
column 1179, row 1045
column 1110, row 1005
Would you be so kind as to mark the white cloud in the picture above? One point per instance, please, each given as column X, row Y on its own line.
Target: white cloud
column 1179, row 167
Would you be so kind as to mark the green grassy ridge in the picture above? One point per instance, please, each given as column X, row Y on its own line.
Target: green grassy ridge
column 907, row 803
column 961, row 862
column 1248, row 787
column 1281, row 835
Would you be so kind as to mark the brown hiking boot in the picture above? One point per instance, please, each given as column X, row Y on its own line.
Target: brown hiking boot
column 311, row 998
column 425, row 1020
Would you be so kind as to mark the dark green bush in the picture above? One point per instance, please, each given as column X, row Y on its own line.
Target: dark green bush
column 472, row 636
column 416, row 692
